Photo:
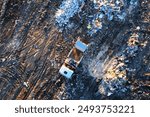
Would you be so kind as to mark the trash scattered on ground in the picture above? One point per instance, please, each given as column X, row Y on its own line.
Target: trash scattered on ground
column 36, row 37
column 113, row 10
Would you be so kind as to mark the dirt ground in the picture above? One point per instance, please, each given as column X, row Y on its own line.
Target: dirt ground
column 32, row 50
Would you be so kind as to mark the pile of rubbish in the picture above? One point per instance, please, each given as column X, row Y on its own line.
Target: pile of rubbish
column 115, row 77
column 108, row 10
column 116, row 74
column 66, row 10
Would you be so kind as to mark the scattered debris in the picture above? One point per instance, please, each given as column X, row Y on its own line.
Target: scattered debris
column 111, row 10
column 36, row 37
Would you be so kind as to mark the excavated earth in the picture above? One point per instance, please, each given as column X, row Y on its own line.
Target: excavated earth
column 32, row 50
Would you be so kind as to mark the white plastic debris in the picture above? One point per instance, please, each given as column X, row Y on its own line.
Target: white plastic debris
column 138, row 28
column 26, row 84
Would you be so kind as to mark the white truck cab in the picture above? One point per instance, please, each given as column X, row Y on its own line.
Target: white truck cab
column 73, row 59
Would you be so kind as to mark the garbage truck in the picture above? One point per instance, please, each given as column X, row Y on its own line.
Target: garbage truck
column 73, row 59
